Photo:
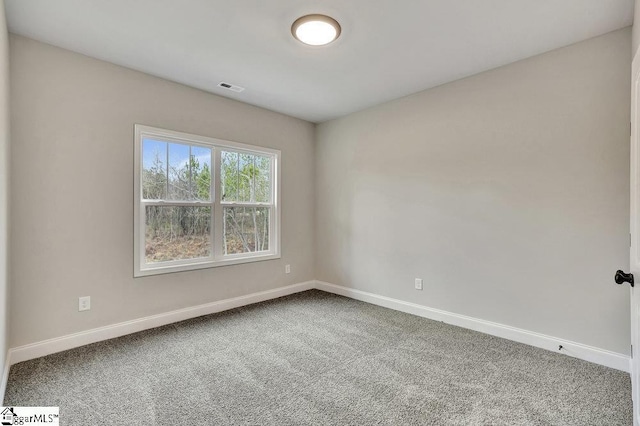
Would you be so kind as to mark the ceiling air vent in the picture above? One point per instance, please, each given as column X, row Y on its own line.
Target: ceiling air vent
column 231, row 87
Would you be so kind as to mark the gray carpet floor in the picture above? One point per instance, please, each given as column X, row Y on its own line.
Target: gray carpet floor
column 318, row 359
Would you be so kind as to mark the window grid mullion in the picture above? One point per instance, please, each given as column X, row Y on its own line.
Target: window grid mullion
column 245, row 204
column 218, row 211
column 167, row 163
column 273, row 212
column 190, row 184
column 173, row 203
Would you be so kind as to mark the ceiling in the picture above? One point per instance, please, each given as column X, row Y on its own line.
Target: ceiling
column 388, row 49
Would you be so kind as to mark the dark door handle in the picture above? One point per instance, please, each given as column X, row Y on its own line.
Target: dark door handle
column 621, row 277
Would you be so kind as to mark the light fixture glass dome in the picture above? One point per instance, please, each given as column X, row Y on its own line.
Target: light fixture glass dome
column 316, row 30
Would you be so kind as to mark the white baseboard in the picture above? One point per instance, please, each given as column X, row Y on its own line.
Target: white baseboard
column 5, row 378
column 58, row 344
column 574, row 349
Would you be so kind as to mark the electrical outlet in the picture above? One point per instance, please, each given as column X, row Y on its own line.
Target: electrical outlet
column 418, row 284
column 287, row 269
column 84, row 303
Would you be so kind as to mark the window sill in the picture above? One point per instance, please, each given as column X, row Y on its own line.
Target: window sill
column 170, row 269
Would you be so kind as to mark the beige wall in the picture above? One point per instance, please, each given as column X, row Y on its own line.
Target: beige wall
column 72, row 192
column 4, row 180
column 636, row 28
column 507, row 192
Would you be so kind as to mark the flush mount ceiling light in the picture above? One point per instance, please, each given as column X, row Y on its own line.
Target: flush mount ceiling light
column 316, row 30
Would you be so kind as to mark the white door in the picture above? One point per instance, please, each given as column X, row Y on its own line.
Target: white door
column 634, row 253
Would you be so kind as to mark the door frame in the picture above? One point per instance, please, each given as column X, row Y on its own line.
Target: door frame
column 634, row 229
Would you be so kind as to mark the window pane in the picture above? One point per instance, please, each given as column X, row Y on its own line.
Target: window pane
column 179, row 172
column 246, row 177
column 263, row 179
column 245, row 174
column 246, row 229
column 201, row 173
column 229, row 175
column 154, row 169
column 177, row 232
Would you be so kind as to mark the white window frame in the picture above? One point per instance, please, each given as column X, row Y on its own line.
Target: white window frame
column 217, row 257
